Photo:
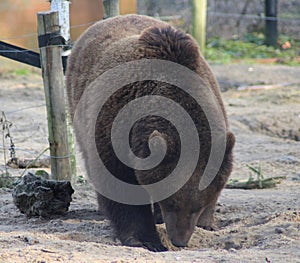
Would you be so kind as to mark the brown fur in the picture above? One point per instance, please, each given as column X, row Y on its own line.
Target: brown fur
column 126, row 38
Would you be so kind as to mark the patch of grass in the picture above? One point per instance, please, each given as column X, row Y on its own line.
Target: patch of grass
column 7, row 180
column 258, row 173
column 251, row 47
column 81, row 180
column 21, row 72
column 255, row 183
column 43, row 174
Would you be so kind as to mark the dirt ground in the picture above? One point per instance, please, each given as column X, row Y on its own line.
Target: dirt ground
column 254, row 225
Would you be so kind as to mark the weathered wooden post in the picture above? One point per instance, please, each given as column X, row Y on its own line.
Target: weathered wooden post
column 199, row 9
column 112, row 7
column 50, row 43
column 63, row 9
column 271, row 22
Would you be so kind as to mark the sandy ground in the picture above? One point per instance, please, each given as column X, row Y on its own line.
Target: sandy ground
column 254, row 225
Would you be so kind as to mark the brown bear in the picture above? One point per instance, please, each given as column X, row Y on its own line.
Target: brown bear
column 121, row 39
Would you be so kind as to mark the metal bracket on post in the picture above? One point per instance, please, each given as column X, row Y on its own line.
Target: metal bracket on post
column 51, row 39
column 54, row 39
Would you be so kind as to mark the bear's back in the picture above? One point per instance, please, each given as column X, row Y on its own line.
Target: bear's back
column 92, row 53
column 117, row 40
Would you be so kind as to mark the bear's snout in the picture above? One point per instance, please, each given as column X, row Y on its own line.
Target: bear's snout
column 180, row 227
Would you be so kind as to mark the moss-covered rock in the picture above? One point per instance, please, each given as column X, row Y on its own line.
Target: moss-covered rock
column 35, row 196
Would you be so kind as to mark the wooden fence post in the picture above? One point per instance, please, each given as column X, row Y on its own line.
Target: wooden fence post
column 199, row 8
column 54, row 86
column 271, row 22
column 63, row 9
column 111, row 7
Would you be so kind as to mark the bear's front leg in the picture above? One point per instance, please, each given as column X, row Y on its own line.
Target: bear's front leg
column 134, row 224
column 206, row 219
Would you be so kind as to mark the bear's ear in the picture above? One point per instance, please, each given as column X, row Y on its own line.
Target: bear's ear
column 170, row 44
column 230, row 141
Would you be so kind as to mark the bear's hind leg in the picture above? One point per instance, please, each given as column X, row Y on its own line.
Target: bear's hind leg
column 134, row 225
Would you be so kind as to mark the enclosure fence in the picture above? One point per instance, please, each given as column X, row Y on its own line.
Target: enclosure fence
column 224, row 19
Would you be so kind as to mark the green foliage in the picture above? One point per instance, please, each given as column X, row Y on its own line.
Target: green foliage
column 81, row 180
column 43, row 174
column 255, row 183
column 21, row 72
column 7, row 180
column 258, row 173
column 251, row 47
column 258, row 39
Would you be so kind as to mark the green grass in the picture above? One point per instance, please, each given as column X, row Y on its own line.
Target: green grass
column 251, row 47
column 21, row 72
column 7, row 180
column 255, row 183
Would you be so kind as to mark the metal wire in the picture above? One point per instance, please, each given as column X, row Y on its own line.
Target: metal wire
column 221, row 14
column 27, row 108
column 35, row 34
column 251, row 16
column 35, row 152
